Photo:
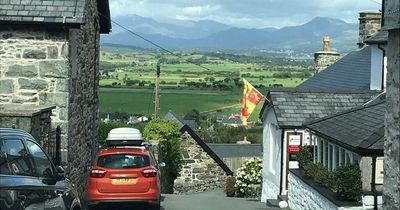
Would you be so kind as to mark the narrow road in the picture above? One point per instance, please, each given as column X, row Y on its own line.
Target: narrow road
column 215, row 200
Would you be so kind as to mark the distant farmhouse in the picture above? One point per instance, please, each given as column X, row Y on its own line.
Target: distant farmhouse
column 339, row 85
column 49, row 55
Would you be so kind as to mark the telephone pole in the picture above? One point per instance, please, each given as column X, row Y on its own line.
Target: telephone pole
column 157, row 93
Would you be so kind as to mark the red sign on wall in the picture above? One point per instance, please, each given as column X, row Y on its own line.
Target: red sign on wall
column 294, row 143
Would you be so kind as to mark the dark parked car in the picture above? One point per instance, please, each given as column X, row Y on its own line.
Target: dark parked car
column 28, row 178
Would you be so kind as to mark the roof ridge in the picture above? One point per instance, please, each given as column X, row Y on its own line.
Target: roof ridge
column 310, row 90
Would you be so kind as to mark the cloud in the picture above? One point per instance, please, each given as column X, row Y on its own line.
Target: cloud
column 245, row 13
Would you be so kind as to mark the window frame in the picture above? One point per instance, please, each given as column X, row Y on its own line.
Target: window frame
column 27, row 156
column 53, row 168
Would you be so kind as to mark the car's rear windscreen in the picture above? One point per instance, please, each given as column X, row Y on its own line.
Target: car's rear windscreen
column 121, row 161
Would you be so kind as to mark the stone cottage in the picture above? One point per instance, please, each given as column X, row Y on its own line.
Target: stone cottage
column 203, row 169
column 49, row 55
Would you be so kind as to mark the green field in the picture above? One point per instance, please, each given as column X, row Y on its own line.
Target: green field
column 137, row 101
column 185, row 86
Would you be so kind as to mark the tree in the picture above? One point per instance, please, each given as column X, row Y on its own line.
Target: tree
column 167, row 133
column 193, row 114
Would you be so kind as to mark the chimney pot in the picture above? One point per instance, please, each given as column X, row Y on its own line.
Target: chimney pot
column 325, row 41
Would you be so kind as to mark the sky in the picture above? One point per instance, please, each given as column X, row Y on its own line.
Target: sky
column 245, row 13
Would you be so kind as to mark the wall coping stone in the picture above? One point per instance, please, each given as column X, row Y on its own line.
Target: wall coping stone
column 324, row 191
column 22, row 110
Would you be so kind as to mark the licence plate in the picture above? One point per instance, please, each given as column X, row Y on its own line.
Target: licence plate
column 123, row 181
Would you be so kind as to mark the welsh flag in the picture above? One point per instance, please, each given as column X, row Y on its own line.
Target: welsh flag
column 251, row 97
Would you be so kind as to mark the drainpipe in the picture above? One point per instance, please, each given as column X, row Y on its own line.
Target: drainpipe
column 282, row 153
column 379, row 47
column 383, row 67
column 373, row 185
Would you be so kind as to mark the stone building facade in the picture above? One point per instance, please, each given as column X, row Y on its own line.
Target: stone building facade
column 391, row 183
column 200, row 172
column 49, row 55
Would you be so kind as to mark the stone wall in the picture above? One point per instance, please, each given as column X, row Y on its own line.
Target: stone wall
column 34, row 70
column 391, row 183
column 200, row 172
column 33, row 119
column 83, row 106
column 303, row 197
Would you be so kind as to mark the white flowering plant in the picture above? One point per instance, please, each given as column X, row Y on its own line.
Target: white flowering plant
column 248, row 178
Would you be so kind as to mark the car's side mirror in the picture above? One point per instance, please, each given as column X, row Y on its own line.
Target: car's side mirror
column 161, row 165
column 60, row 173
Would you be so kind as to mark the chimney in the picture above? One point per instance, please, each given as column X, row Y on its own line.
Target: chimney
column 370, row 24
column 326, row 57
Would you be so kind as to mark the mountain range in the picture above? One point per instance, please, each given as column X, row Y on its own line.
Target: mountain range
column 211, row 35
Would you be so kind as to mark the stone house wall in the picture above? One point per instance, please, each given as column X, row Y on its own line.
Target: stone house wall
column 83, row 87
column 46, row 65
column 200, row 172
column 391, row 183
column 34, row 70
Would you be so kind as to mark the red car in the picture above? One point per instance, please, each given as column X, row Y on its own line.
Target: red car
column 124, row 175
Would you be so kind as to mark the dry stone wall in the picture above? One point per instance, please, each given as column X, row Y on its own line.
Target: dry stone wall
column 200, row 172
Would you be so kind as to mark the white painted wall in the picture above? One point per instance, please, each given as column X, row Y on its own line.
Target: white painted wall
column 303, row 197
column 271, row 156
column 376, row 68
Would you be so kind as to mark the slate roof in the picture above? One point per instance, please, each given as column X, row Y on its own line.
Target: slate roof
column 293, row 106
column 181, row 122
column 379, row 38
column 51, row 11
column 351, row 72
column 236, row 150
column 360, row 129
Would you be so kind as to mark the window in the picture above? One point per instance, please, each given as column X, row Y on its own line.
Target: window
column 43, row 165
column 119, row 161
column 14, row 159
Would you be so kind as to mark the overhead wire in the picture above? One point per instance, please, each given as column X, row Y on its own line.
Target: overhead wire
column 377, row 2
column 153, row 43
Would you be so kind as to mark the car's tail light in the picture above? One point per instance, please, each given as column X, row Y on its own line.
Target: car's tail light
column 97, row 173
column 149, row 172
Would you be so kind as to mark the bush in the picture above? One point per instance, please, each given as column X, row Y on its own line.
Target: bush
column 305, row 156
column 323, row 176
column 230, row 186
column 167, row 133
column 348, row 182
column 249, row 178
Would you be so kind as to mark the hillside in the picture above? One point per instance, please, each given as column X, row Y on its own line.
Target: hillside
column 213, row 35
